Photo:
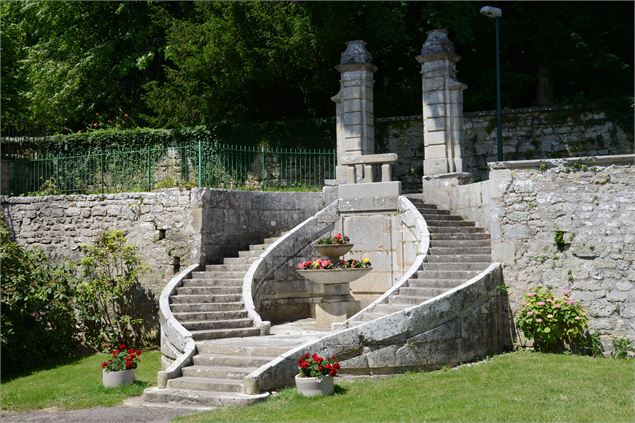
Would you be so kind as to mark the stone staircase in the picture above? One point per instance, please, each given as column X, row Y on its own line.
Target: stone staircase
column 209, row 304
column 458, row 251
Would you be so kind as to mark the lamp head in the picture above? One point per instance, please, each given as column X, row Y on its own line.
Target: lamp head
column 491, row 12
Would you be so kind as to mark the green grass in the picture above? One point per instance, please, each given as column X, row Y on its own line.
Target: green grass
column 75, row 385
column 517, row 387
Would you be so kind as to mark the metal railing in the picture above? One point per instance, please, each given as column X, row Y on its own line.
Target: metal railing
column 200, row 164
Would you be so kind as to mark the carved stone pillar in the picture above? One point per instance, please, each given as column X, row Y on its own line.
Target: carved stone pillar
column 354, row 105
column 442, row 105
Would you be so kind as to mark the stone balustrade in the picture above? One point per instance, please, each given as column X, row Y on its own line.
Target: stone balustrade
column 365, row 163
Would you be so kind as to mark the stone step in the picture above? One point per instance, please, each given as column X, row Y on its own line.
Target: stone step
column 404, row 299
column 239, row 267
column 198, row 325
column 461, row 243
column 181, row 299
column 455, row 229
column 212, row 315
column 249, row 254
column 223, row 372
column 433, row 212
column 230, row 360
column 200, row 335
column 448, row 217
column 212, row 282
column 461, row 258
column 206, row 384
column 426, row 292
column 258, row 247
column 276, row 348
column 459, row 236
column 201, row 398
column 438, row 251
column 209, row 290
column 447, row 274
column 434, row 283
column 456, row 266
column 367, row 317
column 222, row 274
column 239, row 260
column 388, row 308
column 270, row 241
column 206, row 307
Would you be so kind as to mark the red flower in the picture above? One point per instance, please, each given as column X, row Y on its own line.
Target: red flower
column 305, row 355
column 131, row 351
column 336, row 365
column 332, row 373
column 304, row 364
column 103, row 364
column 138, row 352
column 300, row 360
column 128, row 365
column 320, row 368
column 122, row 346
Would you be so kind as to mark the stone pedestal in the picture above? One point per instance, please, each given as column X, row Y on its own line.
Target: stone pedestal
column 337, row 304
column 354, row 105
column 442, row 105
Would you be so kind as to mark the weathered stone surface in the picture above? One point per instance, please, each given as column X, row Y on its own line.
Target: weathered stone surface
column 522, row 207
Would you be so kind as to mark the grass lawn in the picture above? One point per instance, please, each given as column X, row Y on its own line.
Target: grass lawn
column 517, row 387
column 75, row 385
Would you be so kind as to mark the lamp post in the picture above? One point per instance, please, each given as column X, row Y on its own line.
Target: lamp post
column 495, row 12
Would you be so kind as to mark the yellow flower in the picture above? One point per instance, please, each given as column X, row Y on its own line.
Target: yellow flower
column 366, row 260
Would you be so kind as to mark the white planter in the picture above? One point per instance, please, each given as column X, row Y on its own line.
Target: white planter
column 312, row 386
column 123, row 377
column 333, row 276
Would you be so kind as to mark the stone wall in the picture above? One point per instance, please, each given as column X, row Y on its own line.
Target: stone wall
column 172, row 228
column 529, row 133
column 590, row 199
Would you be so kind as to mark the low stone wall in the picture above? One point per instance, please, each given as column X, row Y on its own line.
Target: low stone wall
column 590, row 199
column 528, row 133
column 462, row 325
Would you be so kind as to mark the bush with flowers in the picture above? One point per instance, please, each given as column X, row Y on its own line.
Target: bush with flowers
column 325, row 264
column 337, row 239
column 553, row 322
column 316, row 366
column 123, row 358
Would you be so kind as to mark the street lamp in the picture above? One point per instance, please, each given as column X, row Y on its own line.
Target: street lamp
column 495, row 12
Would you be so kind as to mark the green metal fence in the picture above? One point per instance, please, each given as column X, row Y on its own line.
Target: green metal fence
column 197, row 164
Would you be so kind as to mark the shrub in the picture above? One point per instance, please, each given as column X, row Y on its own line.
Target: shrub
column 621, row 348
column 105, row 297
column 38, row 322
column 554, row 323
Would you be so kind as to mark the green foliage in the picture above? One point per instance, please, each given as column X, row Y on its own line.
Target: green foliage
column 558, row 239
column 38, row 324
column 554, row 323
column 105, row 297
column 621, row 347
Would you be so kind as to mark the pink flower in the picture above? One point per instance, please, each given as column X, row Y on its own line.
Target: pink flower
column 540, row 303
column 539, row 320
column 529, row 313
column 557, row 305
column 570, row 301
column 531, row 294
column 565, row 291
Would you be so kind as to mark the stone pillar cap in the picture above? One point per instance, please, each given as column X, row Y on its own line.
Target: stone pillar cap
column 437, row 46
column 355, row 53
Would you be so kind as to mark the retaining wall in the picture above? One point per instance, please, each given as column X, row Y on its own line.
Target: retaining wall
column 528, row 133
column 591, row 199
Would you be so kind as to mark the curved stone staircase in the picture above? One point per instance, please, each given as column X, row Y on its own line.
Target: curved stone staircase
column 209, row 304
column 458, row 251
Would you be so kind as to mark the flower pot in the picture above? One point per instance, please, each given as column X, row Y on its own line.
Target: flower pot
column 112, row 379
column 313, row 386
column 333, row 251
column 332, row 276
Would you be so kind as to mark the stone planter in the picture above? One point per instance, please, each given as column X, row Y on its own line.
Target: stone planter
column 123, row 377
column 333, row 251
column 334, row 276
column 312, row 386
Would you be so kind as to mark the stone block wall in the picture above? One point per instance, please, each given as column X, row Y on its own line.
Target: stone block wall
column 529, row 133
column 592, row 200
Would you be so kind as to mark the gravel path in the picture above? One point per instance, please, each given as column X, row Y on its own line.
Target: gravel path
column 131, row 412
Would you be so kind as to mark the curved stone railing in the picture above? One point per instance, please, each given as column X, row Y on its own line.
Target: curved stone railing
column 460, row 325
column 177, row 344
column 412, row 218
column 280, row 252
